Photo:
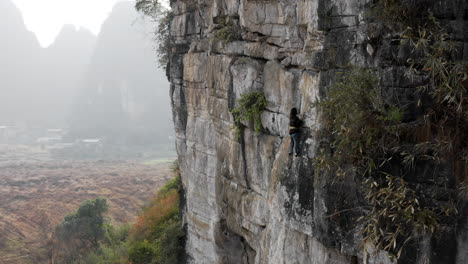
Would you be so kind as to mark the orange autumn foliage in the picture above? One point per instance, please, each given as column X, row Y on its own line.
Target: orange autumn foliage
column 162, row 208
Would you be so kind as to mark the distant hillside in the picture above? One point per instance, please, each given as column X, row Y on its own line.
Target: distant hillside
column 20, row 53
column 37, row 84
column 65, row 64
column 125, row 95
column 102, row 87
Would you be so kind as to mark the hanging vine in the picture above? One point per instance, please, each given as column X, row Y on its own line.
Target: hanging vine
column 368, row 137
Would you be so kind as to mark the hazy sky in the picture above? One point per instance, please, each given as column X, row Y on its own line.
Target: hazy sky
column 47, row 17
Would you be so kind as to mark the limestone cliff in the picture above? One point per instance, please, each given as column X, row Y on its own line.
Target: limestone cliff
column 247, row 201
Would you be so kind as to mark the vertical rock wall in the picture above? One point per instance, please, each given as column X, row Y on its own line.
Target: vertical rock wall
column 247, row 201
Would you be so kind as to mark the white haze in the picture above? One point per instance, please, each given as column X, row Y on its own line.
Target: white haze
column 46, row 17
column 94, row 86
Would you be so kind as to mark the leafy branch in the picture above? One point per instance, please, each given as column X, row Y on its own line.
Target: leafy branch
column 163, row 17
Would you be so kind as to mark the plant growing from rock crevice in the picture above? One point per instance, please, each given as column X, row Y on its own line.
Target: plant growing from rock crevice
column 249, row 108
column 395, row 215
column 433, row 58
column 398, row 13
column 361, row 128
column 368, row 138
column 227, row 30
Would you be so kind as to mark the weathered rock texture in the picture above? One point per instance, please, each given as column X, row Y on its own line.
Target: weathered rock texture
column 247, row 201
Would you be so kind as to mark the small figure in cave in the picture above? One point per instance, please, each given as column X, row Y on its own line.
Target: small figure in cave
column 295, row 125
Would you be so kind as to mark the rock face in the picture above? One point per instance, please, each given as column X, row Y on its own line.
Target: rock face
column 247, row 201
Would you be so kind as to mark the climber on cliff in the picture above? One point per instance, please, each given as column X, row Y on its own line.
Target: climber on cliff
column 295, row 125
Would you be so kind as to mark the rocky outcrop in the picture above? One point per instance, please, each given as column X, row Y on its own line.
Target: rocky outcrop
column 247, row 201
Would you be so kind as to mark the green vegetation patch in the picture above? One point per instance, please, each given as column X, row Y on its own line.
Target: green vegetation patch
column 156, row 237
column 362, row 127
column 158, row 233
column 163, row 17
column 249, row 109
column 157, row 161
column 227, row 30
column 366, row 137
column 398, row 13
column 86, row 225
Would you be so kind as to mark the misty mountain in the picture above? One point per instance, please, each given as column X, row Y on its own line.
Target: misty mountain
column 125, row 97
column 65, row 63
column 100, row 87
column 20, row 54
column 36, row 84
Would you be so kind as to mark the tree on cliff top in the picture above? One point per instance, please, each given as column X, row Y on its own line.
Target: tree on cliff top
column 163, row 17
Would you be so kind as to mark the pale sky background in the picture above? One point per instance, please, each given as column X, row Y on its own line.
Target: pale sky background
column 46, row 17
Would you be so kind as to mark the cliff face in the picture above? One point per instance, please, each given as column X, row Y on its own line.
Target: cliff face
column 247, row 201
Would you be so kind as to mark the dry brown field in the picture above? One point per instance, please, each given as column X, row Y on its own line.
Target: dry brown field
column 35, row 195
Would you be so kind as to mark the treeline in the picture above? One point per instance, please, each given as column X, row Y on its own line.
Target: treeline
column 157, row 236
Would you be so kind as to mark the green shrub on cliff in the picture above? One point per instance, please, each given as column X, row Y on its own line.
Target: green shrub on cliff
column 350, row 105
column 367, row 135
column 228, row 30
column 369, row 139
column 249, row 109
column 142, row 252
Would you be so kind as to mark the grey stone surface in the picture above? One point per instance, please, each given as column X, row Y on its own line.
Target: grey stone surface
column 247, row 201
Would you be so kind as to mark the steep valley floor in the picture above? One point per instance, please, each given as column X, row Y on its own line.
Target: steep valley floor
column 35, row 196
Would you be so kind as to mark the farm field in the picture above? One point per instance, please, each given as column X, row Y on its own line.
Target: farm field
column 36, row 192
